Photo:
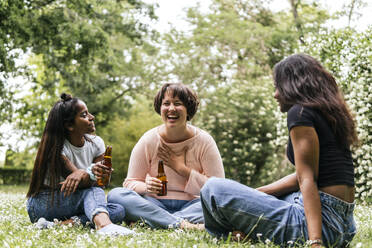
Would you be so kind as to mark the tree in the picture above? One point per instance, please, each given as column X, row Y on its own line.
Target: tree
column 227, row 58
column 351, row 10
column 96, row 50
column 124, row 132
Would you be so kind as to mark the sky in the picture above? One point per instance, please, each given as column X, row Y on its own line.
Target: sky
column 172, row 11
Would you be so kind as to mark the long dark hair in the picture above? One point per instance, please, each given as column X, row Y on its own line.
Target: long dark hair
column 301, row 79
column 49, row 163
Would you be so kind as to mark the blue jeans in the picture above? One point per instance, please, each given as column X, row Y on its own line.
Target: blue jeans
column 230, row 206
column 83, row 203
column 157, row 213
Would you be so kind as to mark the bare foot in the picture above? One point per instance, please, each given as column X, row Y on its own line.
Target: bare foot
column 191, row 226
column 101, row 220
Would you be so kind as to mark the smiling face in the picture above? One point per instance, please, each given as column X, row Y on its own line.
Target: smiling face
column 173, row 111
column 83, row 122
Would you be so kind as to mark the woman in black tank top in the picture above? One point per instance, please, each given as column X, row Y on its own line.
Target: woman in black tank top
column 314, row 205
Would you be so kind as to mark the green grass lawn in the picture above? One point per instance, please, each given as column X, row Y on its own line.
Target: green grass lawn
column 16, row 230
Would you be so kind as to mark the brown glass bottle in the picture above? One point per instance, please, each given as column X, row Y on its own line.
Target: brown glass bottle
column 163, row 178
column 107, row 162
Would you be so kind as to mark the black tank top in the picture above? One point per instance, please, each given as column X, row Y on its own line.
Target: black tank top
column 335, row 161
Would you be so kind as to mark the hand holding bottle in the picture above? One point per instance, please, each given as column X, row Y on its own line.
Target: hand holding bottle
column 101, row 171
column 105, row 179
column 153, row 185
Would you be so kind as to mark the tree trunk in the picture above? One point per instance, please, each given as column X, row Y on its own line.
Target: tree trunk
column 294, row 5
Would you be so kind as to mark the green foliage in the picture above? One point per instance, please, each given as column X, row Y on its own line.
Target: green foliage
column 227, row 58
column 240, row 118
column 348, row 55
column 22, row 159
column 17, row 230
column 123, row 134
column 224, row 44
column 96, row 50
column 104, row 53
column 9, row 157
column 15, row 175
column 33, row 109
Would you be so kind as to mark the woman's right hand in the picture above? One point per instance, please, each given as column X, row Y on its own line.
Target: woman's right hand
column 153, row 185
column 176, row 161
column 101, row 171
column 71, row 183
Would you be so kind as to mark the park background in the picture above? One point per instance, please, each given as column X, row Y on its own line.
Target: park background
column 116, row 54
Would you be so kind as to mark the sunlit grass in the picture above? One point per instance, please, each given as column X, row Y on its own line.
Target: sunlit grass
column 16, row 230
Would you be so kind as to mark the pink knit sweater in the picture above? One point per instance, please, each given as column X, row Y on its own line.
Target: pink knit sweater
column 202, row 157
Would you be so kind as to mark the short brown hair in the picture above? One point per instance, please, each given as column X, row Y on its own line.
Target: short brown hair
column 184, row 93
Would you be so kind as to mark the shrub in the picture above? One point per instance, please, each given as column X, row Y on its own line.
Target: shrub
column 348, row 55
column 241, row 119
column 124, row 132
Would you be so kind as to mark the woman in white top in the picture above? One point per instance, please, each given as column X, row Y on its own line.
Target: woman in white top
column 61, row 187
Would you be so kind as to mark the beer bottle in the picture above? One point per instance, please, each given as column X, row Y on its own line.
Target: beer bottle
column 163, row 178
column 107, row 162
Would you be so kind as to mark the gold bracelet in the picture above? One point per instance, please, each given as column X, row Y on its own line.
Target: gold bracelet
column 314, row 241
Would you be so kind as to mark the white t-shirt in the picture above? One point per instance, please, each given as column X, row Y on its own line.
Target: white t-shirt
column 82, row 157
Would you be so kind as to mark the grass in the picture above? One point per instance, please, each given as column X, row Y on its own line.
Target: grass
column 16, row 230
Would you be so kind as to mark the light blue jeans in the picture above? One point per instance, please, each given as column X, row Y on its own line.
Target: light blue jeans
column 157, row 213
column 230, row 206
column 83, row 203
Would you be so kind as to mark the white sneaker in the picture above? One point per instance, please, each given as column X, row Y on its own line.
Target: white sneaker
column 42, row 223
column 113, row 229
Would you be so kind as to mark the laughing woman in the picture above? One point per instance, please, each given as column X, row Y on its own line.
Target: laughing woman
column 190, row 156
column 315, row 204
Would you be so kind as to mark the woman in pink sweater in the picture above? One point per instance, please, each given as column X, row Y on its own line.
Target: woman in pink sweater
column 190, row 156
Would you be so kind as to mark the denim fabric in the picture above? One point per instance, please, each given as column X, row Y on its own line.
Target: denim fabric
column 84, row 203
column 157, row 213
column 230, row 206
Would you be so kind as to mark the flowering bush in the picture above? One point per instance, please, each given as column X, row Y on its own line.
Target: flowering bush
column 242, row 121
column 251, row 132
column 348, row 55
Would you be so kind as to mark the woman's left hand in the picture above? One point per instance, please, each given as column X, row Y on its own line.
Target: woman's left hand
column 72, row 181
column 176, row 161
